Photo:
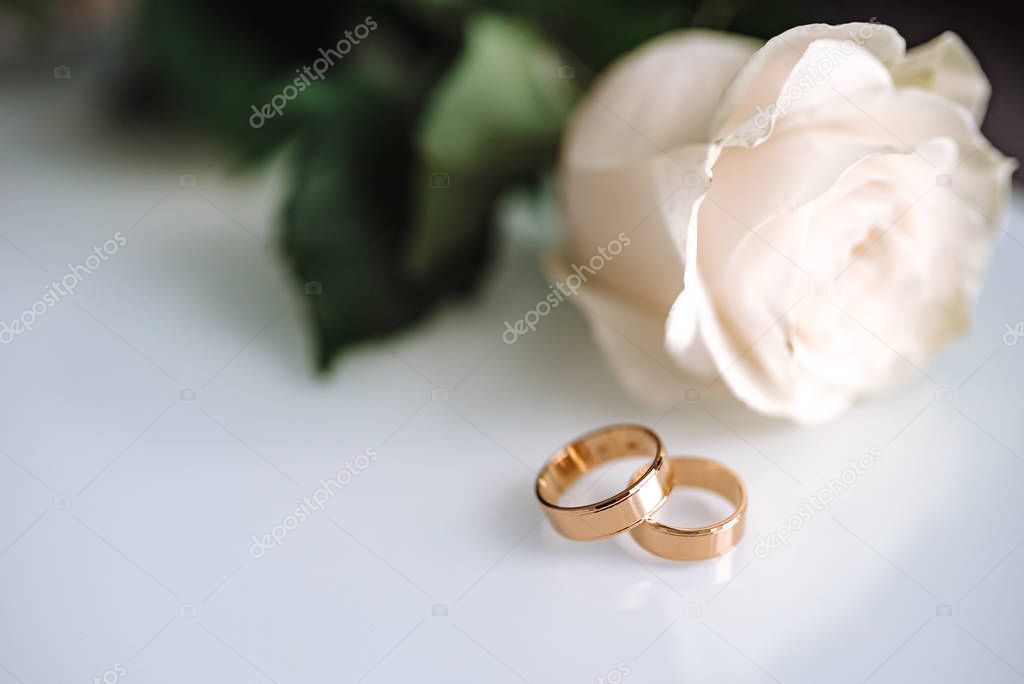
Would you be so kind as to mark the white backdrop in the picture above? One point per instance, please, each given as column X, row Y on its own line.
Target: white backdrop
column 155, row 421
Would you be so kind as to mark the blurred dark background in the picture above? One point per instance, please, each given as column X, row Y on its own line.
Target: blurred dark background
column 32, row 30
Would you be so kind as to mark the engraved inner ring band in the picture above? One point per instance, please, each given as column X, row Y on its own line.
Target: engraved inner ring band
column 619, row 512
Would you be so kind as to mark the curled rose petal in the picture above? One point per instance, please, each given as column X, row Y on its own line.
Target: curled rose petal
column 945, row 66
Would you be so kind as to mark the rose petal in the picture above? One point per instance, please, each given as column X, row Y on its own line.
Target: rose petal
column 763, row 79
column 753, row 186
column 656, row 98
column 627, row 168
column 910, row 118
column 648, row 201
column 632, row 340
column 946, row 66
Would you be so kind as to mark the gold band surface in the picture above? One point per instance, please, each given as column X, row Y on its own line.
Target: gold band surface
column 697, row 543
column 617, row 513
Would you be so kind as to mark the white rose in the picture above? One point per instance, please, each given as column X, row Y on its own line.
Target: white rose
column 850, row 212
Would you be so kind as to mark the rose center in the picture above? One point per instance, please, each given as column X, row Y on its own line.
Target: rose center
column 862, row 246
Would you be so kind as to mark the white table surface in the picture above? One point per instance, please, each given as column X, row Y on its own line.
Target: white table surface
column 127, row 513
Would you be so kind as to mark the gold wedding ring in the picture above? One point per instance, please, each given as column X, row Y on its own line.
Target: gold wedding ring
column 697, row 543
column 620, row 512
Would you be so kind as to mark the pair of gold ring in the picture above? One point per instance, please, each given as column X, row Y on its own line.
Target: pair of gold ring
column 631, row 509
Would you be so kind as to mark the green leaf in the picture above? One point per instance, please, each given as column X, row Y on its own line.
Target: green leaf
column 348, row 219
column 366, row 223
column 495, row 120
